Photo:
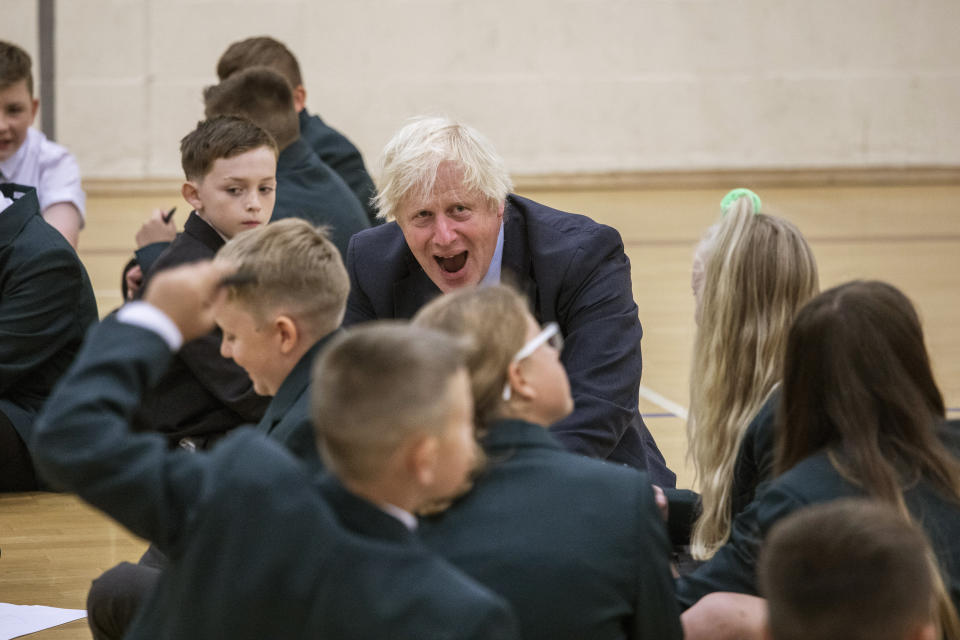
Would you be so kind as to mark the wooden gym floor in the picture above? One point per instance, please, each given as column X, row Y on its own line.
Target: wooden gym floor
column 52, row 545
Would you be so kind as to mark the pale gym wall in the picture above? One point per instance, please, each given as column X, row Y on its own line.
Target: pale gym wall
column 561, row 86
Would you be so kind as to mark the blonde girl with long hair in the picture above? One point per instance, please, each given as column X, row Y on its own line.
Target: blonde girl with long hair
column 752, row 274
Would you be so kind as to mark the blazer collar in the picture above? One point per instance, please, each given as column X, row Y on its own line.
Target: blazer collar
column 294, row 156
column 294, row 385
column 201, row 230
column 414, row 289
column 512, row 434
column 14, row 217
column 359, row 516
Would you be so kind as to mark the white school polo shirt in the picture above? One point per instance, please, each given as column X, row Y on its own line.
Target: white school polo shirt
column 49, row 168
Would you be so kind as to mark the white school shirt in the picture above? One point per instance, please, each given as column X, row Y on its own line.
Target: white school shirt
column 49, row 168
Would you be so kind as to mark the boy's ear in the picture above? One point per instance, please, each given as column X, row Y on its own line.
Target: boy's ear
column 299, row 98
column 518, row 383
column 191, row 194
column 35, row 106
column 422, row 459
column 287, row 330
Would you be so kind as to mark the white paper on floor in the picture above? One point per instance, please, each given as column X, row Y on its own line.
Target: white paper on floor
column 19, row 620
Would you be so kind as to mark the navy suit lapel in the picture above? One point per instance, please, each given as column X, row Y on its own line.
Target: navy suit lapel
column 517, row 267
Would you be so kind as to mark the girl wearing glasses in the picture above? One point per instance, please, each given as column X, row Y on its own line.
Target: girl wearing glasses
column 576, row 545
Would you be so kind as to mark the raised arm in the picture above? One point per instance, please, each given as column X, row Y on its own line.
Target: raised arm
column 82, row 442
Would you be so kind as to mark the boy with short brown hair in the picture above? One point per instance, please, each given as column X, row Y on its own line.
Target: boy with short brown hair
column 27, row 157
column 332, row 147
column 229, row 164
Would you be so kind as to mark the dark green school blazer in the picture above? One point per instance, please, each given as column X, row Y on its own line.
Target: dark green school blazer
column 576, row 545
column 255, row 551
column 309, row 189
column 287, row 419
column 46, row 306
column 813, row 481
column 338, row 153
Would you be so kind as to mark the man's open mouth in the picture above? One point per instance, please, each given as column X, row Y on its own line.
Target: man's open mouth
column 453, row 263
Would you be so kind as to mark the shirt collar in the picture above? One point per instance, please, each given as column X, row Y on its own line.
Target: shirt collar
column 493, row 271
column 408, row 519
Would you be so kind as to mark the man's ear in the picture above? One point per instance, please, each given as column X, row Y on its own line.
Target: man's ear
column 519, row 387
column 287, row 330
column 299, row 98
column 422, row 458
column 500, row 211
column 191, row 195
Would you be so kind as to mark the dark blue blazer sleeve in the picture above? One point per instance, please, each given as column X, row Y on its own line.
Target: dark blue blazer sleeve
column 601, row 352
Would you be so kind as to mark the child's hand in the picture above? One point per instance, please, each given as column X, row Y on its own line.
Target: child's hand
column 187, row 295
column 158, row 228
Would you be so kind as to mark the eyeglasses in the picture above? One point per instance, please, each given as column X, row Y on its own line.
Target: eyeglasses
column 550, row 334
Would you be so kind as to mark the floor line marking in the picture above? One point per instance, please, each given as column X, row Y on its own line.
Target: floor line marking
column 649, row 394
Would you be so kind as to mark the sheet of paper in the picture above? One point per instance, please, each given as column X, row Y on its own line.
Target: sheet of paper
column 18, row 620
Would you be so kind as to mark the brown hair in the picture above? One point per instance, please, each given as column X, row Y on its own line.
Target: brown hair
column 293, row 269
column 375, row 386
column 15, row 65
column 262, row 96
column 759, row 272
column 494, row 320
column 220, row 137
column 857, row 383
column 851, row 569
column 260, row 51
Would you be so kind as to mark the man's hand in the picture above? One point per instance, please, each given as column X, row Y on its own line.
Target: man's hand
column 187, row 295
column 156, row 229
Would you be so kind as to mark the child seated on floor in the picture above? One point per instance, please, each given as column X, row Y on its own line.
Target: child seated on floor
column 306, row 188
column 256, row 548
column 848, row 570
column 274, row 323
column 331, row 146
column 27, row 157
column 230, row 167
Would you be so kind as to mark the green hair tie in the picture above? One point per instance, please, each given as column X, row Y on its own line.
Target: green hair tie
column 735, row 195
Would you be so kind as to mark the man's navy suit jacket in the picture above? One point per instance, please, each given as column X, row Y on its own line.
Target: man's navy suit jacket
column 255, row 551
column 574, row 272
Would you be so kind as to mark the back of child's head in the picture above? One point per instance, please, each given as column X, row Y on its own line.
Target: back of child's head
column 220, row 137
column 260, row 51
column 288, row 267
column 260, row 95
column 494, row 322
column 15, row 65
column 846, row 570
column 377, row 386
column 758, row 273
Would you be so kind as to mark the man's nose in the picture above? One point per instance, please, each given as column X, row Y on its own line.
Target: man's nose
column 444, row 231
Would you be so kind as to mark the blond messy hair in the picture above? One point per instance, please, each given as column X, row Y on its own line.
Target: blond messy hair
column 494, row 321
column 374, row 387
column 289, row 267
column 415, row 154
column 758, row 274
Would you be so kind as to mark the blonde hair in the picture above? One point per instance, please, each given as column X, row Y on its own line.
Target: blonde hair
column 290, row 267
column 415, row 154
column 375, row 386
column 758, row 274
column 494, row 320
